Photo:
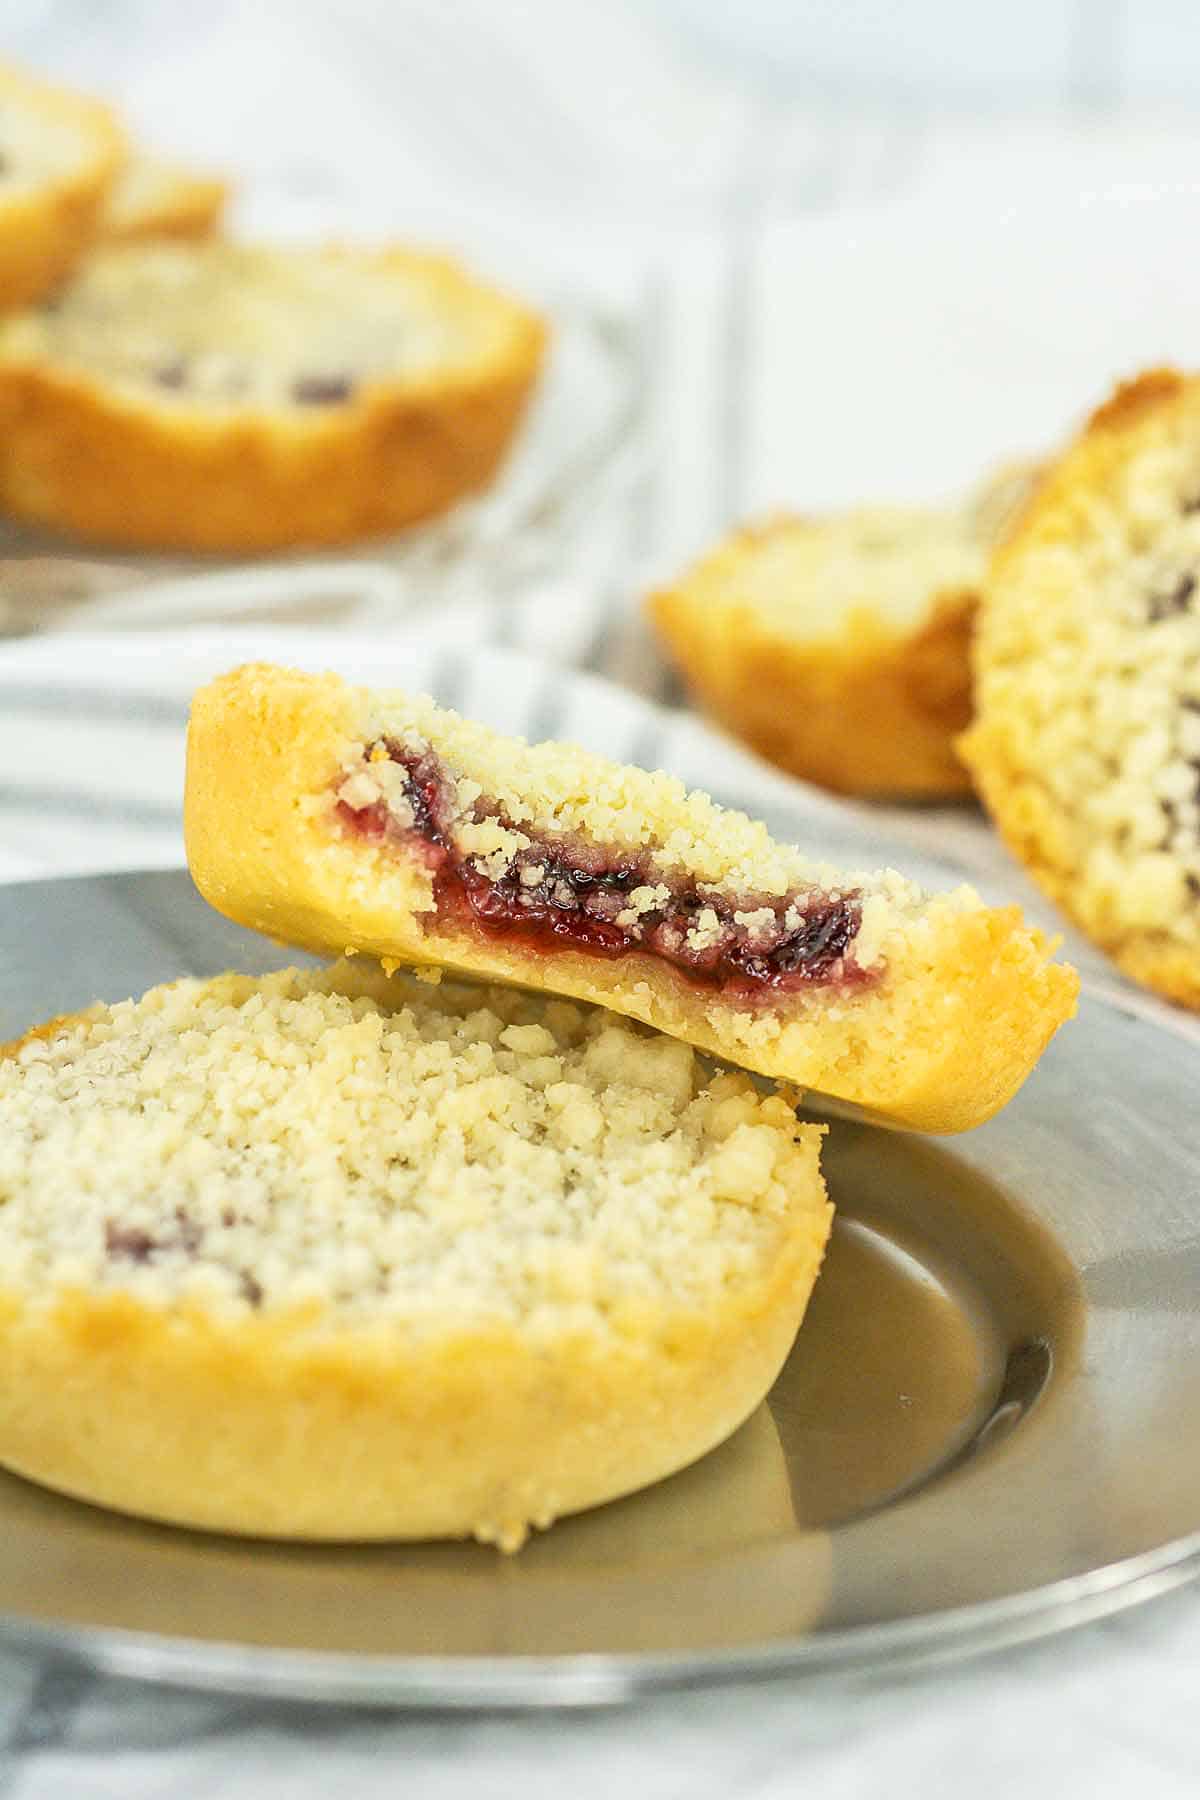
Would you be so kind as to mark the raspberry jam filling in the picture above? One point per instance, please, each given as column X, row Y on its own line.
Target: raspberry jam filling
column 561, row 892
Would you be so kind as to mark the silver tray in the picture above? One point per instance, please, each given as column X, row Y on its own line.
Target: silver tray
column 986, row 1431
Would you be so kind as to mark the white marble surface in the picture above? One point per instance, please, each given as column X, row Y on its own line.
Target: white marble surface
column 816, row 306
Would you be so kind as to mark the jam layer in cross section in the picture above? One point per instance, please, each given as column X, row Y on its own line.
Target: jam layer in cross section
column 560, row 891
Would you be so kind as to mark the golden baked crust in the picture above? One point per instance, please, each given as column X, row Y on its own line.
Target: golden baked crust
column 956, row 1003
column 838, row 648
column 865, row 713
column 1087, row 736
column 121, row 457
column 321, row 1403
column 263, row 1430
column 48, row 219
column 155, row 198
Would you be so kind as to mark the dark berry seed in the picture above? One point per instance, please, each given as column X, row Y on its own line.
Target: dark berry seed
column 129, row 1242
column 251, row 1289
column 1172, row 600
column 824, row 936
column 171, row 374
column 189, row 1233
column 423, row 789
column 321, row 390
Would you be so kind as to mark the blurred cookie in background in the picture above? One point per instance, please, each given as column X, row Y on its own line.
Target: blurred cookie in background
column 838, row 646
column 60, row 153
column 154, row 197
column 1086, row 743
column 221, row 397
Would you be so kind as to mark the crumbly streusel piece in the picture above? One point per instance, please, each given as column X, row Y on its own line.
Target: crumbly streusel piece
column 839, row 646
column 342, row 819
column 1086, row 747
column 333, row 1255
column 219, row 396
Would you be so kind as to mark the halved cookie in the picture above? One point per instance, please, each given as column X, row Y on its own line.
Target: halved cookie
column 1086, row 745
column 324, row 1255
column 338, row 818
column 156, row 198
column 223, row 397
column 838, row 647
column 59, row 154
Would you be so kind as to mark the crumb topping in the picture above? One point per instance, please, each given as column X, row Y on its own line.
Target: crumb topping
column 888, row 565
column 223, row 324
column 629, row 854
column 1092, row 672
column 812, row 575
column 385, row 1152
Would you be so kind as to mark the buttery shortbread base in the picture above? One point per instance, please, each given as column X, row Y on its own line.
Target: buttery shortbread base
column 221, row 397
column 839, row 647
column 929, row 1012
column 337, row 1256
column 1086, row 743
column 59, row 155
column 155, row 198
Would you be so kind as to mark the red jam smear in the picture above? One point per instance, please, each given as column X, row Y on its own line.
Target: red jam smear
column 578, row 892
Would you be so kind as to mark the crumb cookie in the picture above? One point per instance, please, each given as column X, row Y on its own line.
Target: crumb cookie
column 837, row 647
column 1086, row 745
column 325, row 1255
column 224, row 397
column 338, row 818
column 155, row 198
column 59, row 154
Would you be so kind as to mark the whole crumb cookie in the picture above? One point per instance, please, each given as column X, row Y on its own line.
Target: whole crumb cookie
column 339, row 818
column 225, row 397
column 59, row 155
column 1086, row 745
column 838, row 647
column 156, row 198
column 330, row 1255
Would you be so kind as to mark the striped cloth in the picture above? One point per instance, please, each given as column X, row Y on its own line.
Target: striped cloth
column 92, row 746
column 92, row 739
